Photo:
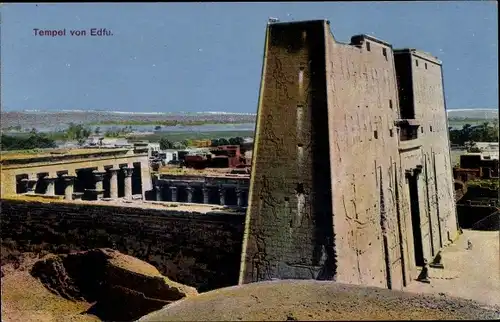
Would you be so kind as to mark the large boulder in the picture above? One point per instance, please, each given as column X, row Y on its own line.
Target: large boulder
column 122, row 287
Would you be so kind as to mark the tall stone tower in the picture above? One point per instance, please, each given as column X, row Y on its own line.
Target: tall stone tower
column 339, row 184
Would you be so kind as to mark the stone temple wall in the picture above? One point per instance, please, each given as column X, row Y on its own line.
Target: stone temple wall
column 196, row 249
column 341, row 182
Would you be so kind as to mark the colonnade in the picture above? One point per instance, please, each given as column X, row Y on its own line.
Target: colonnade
column 68, row 180
column 241, row 192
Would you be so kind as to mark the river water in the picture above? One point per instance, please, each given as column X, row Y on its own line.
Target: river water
column 151, row 128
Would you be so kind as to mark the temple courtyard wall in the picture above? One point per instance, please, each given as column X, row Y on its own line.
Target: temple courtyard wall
column 195, row 245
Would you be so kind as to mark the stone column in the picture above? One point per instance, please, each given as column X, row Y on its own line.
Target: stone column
column 98, row 178
column 205, row 191
column 173, row 191
column 128, row 182
column 25, row 183
column 113, row 183
column 30, row 184
column 51, row 185
column 68, row 188
column 77, row 195
column 189, row 191
column 159, row 196
column 222, row 195
column 241, row 197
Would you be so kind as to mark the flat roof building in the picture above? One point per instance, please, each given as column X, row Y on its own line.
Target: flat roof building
column 78, row 173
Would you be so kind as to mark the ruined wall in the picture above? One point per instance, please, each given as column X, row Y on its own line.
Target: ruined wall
column 288, row 228
column 362, row 102
column 200, row 250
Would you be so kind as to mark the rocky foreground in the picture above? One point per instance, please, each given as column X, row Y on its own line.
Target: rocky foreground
column 317, row 300
column 100, row 284
column 103, row 284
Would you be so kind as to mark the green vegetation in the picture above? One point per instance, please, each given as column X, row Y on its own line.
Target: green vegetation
column 15, row 128
column 459, row 122
column 33, row 141
column 484, row 132
column 118, row 133
column 77, row 132
column 231, row 141
column 484, row 183
column 166, row 144
column 36, row 140
column 219, row 142
column 56, row 136
column 472, row 130
column 179, row 136
column 463, row 121
column 165, row 122
column 236, row 141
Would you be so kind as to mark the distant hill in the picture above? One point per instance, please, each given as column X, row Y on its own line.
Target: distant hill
column 58, row 120
column 54, row 120
column 473, row 113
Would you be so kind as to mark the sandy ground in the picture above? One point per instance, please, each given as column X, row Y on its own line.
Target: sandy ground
column 316, row 300
column 470, row 274
column 24, row 299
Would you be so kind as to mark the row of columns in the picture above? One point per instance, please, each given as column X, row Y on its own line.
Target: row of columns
column 113, row 182
column 190, row 190
column 98, row 177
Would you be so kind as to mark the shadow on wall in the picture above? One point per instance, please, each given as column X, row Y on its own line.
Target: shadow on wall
column 199, row 250
column 322, row 208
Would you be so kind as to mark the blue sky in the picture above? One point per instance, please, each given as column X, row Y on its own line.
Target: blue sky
column 165, row 57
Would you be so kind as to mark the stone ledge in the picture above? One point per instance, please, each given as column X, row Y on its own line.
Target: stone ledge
column 184, row 210
column 32, row 196
column 409, row 145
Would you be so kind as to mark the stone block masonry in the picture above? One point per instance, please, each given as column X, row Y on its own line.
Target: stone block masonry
column 289, row 219
column 196, row 249
column 90, row 173
column 351, row 178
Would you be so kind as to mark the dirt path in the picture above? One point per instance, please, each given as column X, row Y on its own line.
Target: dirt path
column 470, row 274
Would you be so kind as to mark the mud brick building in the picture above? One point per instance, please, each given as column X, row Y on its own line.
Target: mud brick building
column 351, row 178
